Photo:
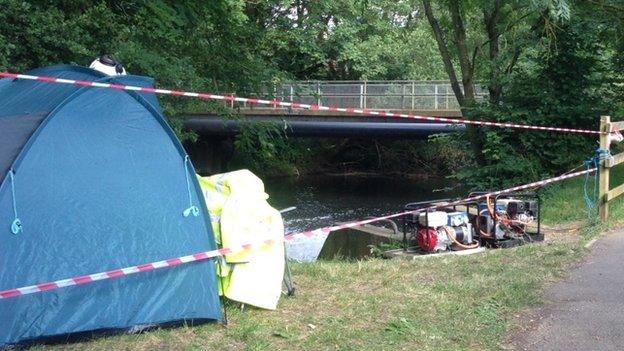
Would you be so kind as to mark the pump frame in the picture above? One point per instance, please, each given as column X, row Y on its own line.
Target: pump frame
column 411, row 224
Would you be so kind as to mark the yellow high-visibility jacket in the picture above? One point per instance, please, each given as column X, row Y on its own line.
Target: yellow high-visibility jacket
column 240, row 214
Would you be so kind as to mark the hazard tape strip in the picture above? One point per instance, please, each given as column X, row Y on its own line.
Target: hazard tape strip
column 201, row 256
column 293, row 105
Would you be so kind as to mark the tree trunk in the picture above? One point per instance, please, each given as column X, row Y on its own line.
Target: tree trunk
column 462, row 50
column 467, row 71
column 491, row 20
column 467, row 97
column 444, row 52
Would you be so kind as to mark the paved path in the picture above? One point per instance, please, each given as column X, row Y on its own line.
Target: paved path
column 585, row 312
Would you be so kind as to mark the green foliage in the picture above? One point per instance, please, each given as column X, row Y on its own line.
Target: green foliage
column 565, row 84
column 347, row 39
column 377, row 251
column 569, row 70
column 35, row 34
column 557, row 9
column 264, row 148
column 188, row 44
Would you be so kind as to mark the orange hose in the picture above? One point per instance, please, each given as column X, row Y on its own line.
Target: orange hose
column 478, row 227
column 490, row 208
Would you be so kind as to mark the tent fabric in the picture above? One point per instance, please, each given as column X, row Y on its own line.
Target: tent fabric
column 18, row 121
column 100, row 183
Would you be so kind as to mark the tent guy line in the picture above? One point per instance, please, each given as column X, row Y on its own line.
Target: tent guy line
column 294, row 105
column 200, row 256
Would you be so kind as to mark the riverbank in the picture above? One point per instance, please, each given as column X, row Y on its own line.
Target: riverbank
column 267, row 153
column 350, row 173
column 444, row 303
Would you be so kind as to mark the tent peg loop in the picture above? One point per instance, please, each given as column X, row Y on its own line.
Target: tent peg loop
column 16, row 226
column 192, row 209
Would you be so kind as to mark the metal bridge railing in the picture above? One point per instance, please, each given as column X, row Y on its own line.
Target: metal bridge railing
column 381, row 95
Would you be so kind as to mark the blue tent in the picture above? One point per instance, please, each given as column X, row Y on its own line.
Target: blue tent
column 98, row 181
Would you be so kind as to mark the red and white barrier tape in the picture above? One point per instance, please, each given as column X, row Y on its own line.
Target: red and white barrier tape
column 200, row 256
column 294, row 105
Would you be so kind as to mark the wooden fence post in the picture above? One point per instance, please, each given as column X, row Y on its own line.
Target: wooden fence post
column 603, row 187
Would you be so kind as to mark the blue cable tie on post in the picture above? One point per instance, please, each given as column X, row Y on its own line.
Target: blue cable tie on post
column 16, row 225
column 192, row 210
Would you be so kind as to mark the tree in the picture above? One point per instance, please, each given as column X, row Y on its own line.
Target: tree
column 207, row 46
column 347, row 39
column 513, row 22
column 567, row 76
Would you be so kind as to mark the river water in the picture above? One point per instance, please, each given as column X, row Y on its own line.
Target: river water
column 325, row 200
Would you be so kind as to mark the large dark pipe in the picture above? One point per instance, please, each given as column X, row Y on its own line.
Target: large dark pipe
column 294, row 127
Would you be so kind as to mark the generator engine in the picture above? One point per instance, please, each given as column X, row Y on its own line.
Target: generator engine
column 442, row 231
column 523, row 211
column 507, row 219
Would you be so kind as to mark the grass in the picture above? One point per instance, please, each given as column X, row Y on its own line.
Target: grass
column 447, row 303
column 443, row 304
column 563, row 203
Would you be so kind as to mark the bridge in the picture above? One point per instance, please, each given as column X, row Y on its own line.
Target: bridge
column 431, row 98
